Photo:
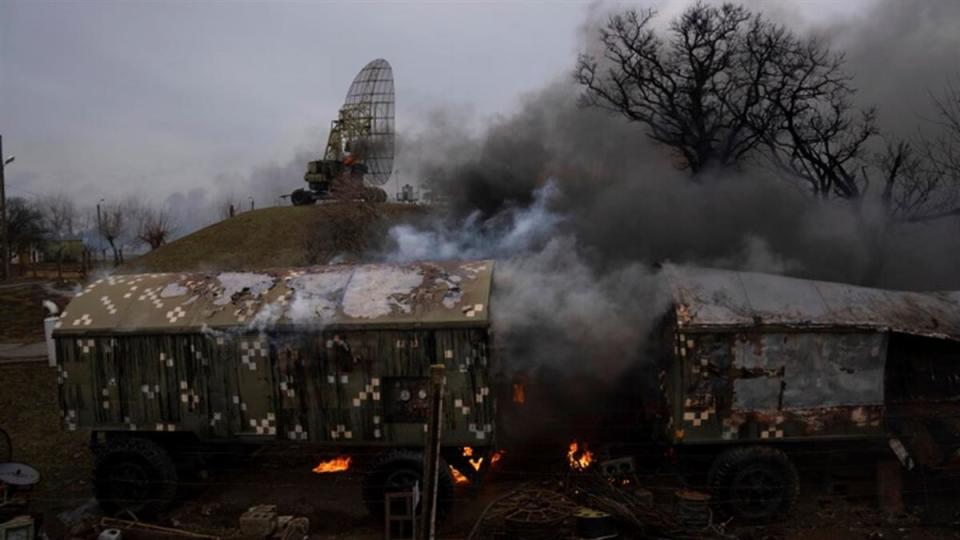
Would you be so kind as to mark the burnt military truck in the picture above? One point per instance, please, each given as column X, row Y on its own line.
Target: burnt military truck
column 759, row 369
column 152, row 364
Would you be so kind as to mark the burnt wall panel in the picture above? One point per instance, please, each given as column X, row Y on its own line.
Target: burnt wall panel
column 923, row 369
column 778, row 385
column 808, row 370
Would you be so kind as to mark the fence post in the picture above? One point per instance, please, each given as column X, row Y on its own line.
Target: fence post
column 431, row 465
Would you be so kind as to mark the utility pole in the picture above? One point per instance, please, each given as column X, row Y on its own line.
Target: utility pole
column 100, row 232
column 5, row 248
column 431, row 465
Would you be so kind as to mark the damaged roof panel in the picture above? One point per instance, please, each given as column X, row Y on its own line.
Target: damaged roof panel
column 709, row 298
column 386, row 295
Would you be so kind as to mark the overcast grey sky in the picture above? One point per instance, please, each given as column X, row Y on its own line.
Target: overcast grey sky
column 100, row 99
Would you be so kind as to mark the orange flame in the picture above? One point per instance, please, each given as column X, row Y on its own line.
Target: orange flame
column 467, row 451
column 337, row 464
column 458, row 477
column 518, row 393
column 578, row 458
column 497, row 456
column 475, row 463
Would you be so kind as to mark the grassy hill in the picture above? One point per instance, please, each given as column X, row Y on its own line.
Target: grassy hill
column 280, row 236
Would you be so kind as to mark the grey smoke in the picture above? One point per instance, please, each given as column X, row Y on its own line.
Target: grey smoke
column 550, row 305
column 578, row 207
column 621, row 197
column 899, row 52
column 265, row 184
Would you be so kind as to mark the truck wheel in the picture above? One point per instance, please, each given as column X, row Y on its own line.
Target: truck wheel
column 302, row 197
column 374, row 194
column 399, row 471
column 134, row 475
column 754, row 483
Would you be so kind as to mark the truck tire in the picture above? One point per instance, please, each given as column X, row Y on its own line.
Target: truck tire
column 399, row 470
column 374, row 194
column 134, row 475
column 753, row 483
column 302, row 197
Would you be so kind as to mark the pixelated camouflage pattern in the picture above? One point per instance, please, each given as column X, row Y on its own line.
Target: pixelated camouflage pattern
column 211, row 373
column 444, row 294
column 772, row 386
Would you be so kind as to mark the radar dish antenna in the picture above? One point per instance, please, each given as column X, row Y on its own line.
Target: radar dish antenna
column 371, row 101
column 358, row 158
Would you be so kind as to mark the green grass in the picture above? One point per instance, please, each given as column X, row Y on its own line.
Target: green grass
column 280, row 236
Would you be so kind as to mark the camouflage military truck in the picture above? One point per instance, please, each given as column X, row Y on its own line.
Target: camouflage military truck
column 758, row 366
column 151, row 364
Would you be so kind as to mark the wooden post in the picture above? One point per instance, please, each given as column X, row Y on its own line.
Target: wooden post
column 431, row 464
column 5, row 244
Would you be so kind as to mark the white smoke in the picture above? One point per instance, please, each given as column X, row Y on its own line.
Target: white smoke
column 515, row 231
column 552, row 305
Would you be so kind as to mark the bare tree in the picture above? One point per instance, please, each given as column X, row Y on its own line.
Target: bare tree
column 60, row 215
column 938, row 194
column 724, row 84
column 114, row 226
column 920, row 180
column 700, row 92
column 818, row 137
column 155, row 226
column 25, row 226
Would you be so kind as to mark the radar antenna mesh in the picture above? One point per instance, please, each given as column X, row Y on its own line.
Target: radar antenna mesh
column 365, row 128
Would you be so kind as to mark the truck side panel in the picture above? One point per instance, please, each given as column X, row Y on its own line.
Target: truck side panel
column 345, row 387
column 779, row 385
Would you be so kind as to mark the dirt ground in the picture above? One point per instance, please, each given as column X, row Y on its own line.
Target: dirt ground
column 21, row 309
column 30, row 415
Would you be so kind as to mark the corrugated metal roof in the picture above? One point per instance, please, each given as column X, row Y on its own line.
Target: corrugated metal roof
column 384, row 295
column 709, row 298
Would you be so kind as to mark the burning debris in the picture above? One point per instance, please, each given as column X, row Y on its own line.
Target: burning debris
column 579, row 458
column 519, row 395
column 337, row 464
column 458, row 477
column 474, row 462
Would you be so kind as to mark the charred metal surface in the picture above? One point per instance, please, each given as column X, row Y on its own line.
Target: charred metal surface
column 923, row 399
column 717, row 299
column 807, row 370
column 930, row 431
column 306, row 355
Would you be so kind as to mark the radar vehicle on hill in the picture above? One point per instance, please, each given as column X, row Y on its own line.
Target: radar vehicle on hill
column 358, row 158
